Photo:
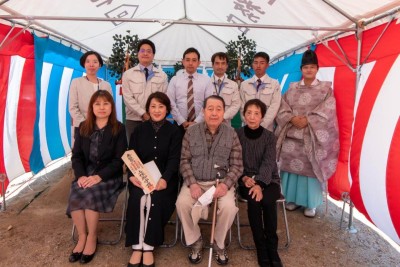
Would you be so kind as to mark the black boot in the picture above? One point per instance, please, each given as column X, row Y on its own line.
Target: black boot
column 275, row 260
column 262, row 258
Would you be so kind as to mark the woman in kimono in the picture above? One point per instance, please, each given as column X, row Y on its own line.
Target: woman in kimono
column 307, row 138
column 147, row 214
column 96, row 160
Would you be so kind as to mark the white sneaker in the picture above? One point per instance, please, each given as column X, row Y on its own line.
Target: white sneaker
column 310, row 212
column 291, row 206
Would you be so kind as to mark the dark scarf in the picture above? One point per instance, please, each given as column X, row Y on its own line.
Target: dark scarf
column 157, row 124
column 253, row 134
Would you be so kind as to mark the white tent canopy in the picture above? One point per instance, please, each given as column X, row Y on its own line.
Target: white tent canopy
column 175, row 25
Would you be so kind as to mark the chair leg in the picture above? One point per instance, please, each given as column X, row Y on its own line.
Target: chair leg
column 239, row 225
column 282, row 201
column 175, row 240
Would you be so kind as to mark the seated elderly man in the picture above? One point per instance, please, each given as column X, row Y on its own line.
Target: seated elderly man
column 210, row 150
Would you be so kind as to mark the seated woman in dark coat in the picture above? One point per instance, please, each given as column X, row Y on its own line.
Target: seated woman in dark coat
column 96, row 161
column 158, row 140
column 260, row 182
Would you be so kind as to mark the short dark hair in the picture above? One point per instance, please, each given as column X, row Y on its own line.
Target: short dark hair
column 160, row 97
column 191, row 50
column 258, row 103
column 148, row 42
column 263, row 55
column 221, row 55
column 217, row 97
column 88, row 53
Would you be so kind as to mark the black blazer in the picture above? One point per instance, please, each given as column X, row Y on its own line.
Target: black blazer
column 109, row 164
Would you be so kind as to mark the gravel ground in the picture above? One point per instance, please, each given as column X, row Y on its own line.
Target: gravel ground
column 34, row 231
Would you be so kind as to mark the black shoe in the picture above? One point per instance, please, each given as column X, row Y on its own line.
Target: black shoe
column 197, row 250
column 75, row 256
column 195, row 260
column 87, row 258
column 264, row 263
column 276, row 264
column 134, row 265
column 220, row 254
column 221, row 259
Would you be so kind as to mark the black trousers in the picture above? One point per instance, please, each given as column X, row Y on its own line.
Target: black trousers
column 263, row 222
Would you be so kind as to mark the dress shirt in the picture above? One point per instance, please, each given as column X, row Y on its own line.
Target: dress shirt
column 177, row 93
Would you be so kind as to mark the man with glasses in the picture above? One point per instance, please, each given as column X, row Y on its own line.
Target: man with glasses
column 138, row 83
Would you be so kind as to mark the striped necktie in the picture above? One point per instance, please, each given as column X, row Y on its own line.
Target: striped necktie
column 219, row 86
column 190, row 100
column 258, row 84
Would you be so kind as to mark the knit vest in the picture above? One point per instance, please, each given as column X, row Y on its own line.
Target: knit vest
column 206, row 165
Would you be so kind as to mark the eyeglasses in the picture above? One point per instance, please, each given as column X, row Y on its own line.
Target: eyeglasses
column 148, row 51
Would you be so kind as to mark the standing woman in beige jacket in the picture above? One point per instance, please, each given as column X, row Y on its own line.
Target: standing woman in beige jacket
column 82, row 88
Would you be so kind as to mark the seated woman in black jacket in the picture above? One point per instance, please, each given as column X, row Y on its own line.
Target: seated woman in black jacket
column 97, row 164
column 260, row 182
column 161, row 141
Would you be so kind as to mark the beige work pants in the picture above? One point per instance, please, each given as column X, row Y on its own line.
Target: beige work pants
column 190, row 212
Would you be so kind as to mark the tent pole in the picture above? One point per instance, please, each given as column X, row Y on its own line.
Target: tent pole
column 3, row 2
column 377, row 41
column 336, row 54
column 8, row 34
column 381, row 16
column 3, row 44
column 341, row 50
column 341, row 11
column 350, row 228
column 32, row 21
column 183, row 21
column 328, row 37
column 2, row 181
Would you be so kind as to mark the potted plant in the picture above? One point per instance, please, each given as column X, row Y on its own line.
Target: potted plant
column 124, row 54
column 240, row 53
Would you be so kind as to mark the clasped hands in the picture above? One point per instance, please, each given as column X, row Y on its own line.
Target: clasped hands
column 255, row 190
column 220, row 190
column 88, row 181
column 299, row 121
column 161, row 184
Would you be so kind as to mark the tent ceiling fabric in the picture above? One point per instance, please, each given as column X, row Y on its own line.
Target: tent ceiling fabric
column 172, row 40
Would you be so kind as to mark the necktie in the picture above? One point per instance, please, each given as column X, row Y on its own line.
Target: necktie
column 146, row 73
column 219, row 82
column 190, row 100
column 258, row 84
